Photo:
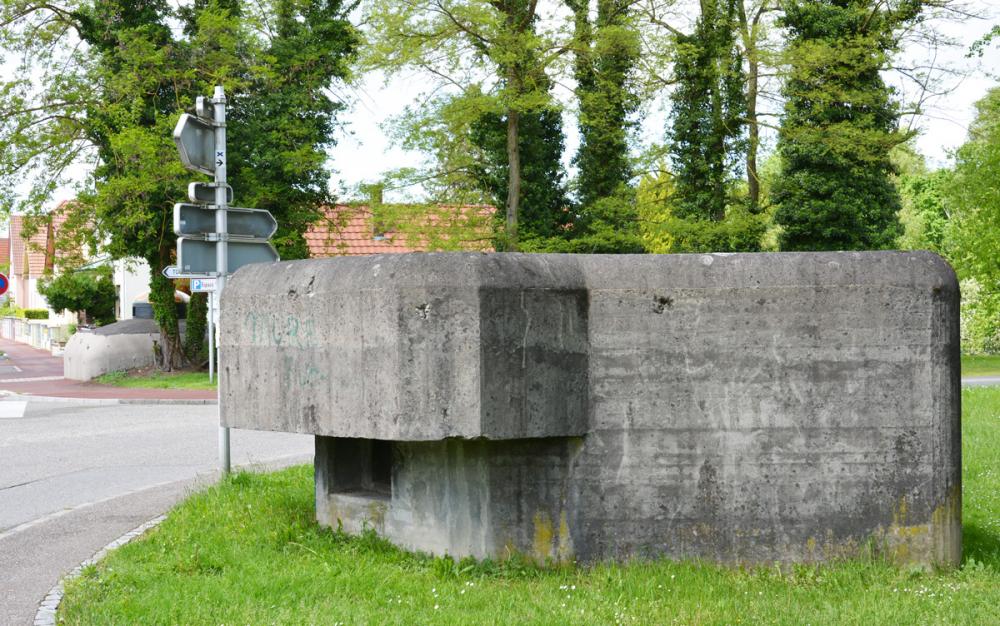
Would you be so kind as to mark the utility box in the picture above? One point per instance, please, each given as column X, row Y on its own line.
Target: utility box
column 736, row 407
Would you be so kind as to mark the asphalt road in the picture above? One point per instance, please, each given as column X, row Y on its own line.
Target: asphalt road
column 74, row 477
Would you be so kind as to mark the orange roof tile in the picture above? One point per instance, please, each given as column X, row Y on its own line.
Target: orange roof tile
column 348, row 230
column 29, row 256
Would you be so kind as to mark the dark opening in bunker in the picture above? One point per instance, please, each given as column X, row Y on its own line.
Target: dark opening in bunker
column 360, row 465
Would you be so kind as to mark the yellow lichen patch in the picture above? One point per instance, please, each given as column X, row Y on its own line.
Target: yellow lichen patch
column 542, row 545
column 937, row 542
column 565, row 540
column 376, row 514
column 899, row 514
column 811, row 546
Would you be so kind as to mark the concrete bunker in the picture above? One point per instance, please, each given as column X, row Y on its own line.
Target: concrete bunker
column 740, row 408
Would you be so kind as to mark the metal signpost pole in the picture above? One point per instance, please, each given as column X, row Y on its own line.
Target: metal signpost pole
column 205, row 234
column 222, row 247
column 211, row 336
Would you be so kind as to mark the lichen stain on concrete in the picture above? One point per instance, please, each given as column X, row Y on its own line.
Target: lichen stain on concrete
column 542, row 544
column 811, row 547
column 903, row 542
column 376, row 514
column 565, row 551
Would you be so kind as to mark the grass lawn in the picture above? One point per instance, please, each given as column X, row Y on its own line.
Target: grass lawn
column 981, row 365
column 248, row 552
column 158, row 380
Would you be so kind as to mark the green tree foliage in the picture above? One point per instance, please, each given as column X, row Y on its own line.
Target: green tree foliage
column 115, row 100
column 839, row 124
column 544, row 206
column 707, row 114
column 663, row 232
column 924, row 212
column 90, row 292
column 699, row 205
column 974, row 230
column 195, row 346
column 492, row 57
column 606, row 52
column 282, row 123
column 609, row 225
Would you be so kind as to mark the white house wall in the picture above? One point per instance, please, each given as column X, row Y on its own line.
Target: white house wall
column 132, row 280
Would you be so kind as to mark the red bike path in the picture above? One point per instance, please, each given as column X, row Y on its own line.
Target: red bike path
column 29, row 371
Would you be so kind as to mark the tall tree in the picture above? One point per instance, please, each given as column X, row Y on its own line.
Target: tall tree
column 136, row 64
column 605, row 51
column 973, row 232
column 839, row 124
column 285, row 120
column 118, row 101
column 752, row 30
column 974, row 196
column 543, row 205
column 708, row 109
column 477, row 47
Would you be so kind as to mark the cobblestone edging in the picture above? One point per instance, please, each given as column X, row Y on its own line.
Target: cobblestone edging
column 46, row 613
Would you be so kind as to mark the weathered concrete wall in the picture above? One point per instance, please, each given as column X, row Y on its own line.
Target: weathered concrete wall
column 409, row 349
column 89, row 355
column 790, row 407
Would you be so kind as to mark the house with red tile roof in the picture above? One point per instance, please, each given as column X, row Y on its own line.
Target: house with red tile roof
column 31, row 256
column 355, row 229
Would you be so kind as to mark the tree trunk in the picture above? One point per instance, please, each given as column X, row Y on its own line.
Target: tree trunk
column 753, row 135
column 513, row 178
column 161, row 297
column 749, row 32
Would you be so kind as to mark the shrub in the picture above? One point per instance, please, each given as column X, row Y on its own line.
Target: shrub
column 980, row 319
column 740, row 231
column 35, row 314
column 90, row 292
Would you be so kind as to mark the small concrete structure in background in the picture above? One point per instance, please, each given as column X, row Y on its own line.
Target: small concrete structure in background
column 120, row 346
column 741, row 408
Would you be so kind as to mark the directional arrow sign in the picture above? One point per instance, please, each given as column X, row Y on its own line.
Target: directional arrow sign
column 196, row 220
column 195, row 139
column 204, row 193
column 173, row 273
column 197, row 256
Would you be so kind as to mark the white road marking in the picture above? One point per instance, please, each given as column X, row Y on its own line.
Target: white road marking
column 12, row 409
column 36, row 379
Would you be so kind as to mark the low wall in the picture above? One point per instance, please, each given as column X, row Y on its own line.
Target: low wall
column 741, row 408
column 41, row 334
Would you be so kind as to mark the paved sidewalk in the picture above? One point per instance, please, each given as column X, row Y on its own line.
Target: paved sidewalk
column 29, row 371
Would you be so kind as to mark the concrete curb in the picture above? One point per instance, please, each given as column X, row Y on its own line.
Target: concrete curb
column 46, row 613
column 7, row 395
column 981, row 381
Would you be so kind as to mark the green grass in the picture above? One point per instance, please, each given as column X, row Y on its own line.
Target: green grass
column 248, row 552
column 981, row 365
column 158, row 380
